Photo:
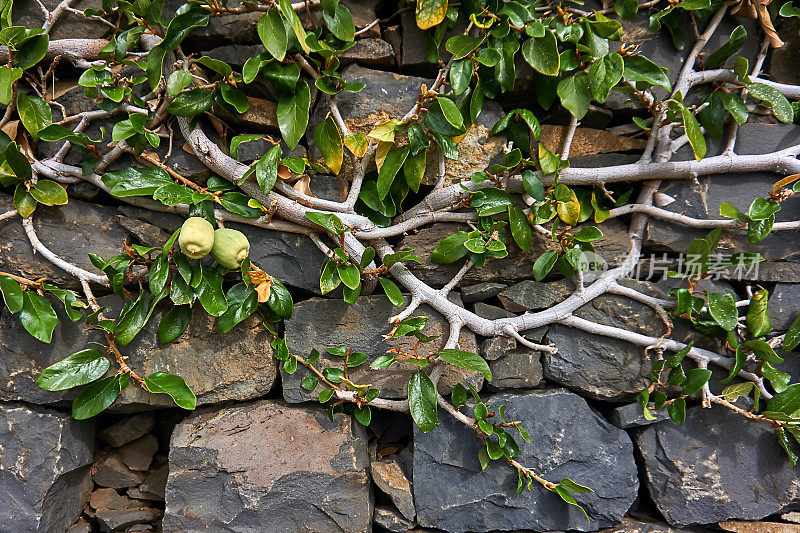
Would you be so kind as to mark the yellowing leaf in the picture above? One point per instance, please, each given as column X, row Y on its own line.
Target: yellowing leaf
column 357, row 144
column 381, row 152
column 384, row 130
column 430, row 13
column 329, row 141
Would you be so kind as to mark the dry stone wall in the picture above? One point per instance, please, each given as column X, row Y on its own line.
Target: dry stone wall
column 261, row 455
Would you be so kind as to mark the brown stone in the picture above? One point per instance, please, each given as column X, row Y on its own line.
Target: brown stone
column 261, row 114
column 370, row 53
column 390, row 478
column 588, row 141
column 107, row 498
column 738, row 526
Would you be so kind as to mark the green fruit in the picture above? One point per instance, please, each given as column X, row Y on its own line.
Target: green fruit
column 230, row 248
column 196, row 238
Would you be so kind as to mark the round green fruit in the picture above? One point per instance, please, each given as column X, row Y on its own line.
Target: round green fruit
column 196, row 238
column 230, row 248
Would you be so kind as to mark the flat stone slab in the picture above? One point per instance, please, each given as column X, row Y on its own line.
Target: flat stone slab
column 266, row 466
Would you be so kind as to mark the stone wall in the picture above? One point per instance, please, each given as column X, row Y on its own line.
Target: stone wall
column 261, row 455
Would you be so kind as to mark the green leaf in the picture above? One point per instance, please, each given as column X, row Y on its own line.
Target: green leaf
column 95, row 398
column 422, row 401
column 758, row 322
column 37, row 316
column 694, row 133
column 722, row 308
column 349, row 275
column 462, row 45
column 292, row 112
column 272, row 33
column 695, row 379
column 450, row 249
column 604, row 74
column 341, row 25
column 430, row 13
column 520, row 229
column 758, row 230
column 8, row 76
column 763, row 351
column 233, row 96
column 468, row 360
column 781, row 107
column 790, row 341
column 175, row 386
column 392, row 291
column 677, row 411
column 329, row 142
column 491, row 201
column 174, row 323
column 639, row 68
column 178, row 81
column 242, row 301
column 363, row 414
column 451, row 112
column 761, row 209
column 574, row 94
column 266, row 169
column 737, row 108
column 49, row 192
column 297, row 26
column 544, row 264
column 391, row 165
column 737, row 38
column 79, row 368
column 191, row 103
column 588, row 234
column 12, row 294
column 567, row 497
column 533, row 185
column 131, row 322
column 31, row 51
column 571, row 486
column 210, row 293
column 542, row 53
column 787, row 401
column 34, row 113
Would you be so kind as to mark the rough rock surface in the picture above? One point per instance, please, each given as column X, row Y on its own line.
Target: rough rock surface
column 784, row 305
column 235, row 366
column 703, row 200
column 597, row 366
column 70, row 231
column 388, row 475
column 45, row 460
column 264, row 466
column 569, row 440
column 321, row 323
column 701, row 472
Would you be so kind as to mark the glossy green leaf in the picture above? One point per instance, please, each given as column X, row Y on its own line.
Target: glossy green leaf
column 37, row 316
column 467, row 360
column 78, row 369
column 422, row 401
column 292, row 114
column 95, row 398
column 722, row 308
column 272, row 33
column 542, row 53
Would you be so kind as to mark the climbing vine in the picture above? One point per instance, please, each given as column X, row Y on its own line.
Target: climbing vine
column 141, row 76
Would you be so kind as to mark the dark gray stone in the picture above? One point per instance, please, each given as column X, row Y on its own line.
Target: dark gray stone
column 128, row 429
column 494, row 348
column 390, row 519
column 369, row 53
column 265, row 466
column 630, row 416
column 68, row 26
column 702, row 472
column 703, row 201
column 154, row 485
column 516, row 266
column 518, row 369
column 492, row 312
column 235, row 54
column 70, row 231
column 602, row 367
column 783, row 63
column 44, row 468
column 529, row 295
column 118, row 520
column 784, row 305
column 569, row 440
column 632, row 525
column 218, row 367
column 138, row 455
column 111, row 472
column 322, row 323
column 481, row 291
column 236, row 28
